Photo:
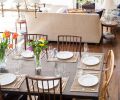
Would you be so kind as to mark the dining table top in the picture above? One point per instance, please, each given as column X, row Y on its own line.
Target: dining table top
column 69, row 69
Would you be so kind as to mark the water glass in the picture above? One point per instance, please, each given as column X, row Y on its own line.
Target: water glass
column 17, row 66
column 86, row 49
column 57, row 70
column 80, row 73
column 50, row 51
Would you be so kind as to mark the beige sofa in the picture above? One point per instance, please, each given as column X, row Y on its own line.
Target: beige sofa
column 53, row 24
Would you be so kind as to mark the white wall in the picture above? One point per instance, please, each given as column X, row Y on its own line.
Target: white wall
column 68, row 3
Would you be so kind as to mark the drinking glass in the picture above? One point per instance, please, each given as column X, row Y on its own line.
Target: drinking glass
column 50, row 51
column 17, row 62
column 85, row 49
column 80, row 73
column 60, row 69
column 15, row 66
column 57, row 70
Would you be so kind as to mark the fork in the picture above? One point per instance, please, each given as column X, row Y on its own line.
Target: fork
column 17, row 81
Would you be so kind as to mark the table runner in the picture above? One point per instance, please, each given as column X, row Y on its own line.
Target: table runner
column 77, row 87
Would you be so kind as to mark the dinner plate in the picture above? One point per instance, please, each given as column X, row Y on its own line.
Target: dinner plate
column 90, row 60
column 88, row 80
column 64, row 55
column 6, row 79
column 27, row 54
column 45, row 84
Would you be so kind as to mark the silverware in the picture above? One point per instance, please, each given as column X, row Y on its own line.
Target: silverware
column 17, row 81
column 20, row 82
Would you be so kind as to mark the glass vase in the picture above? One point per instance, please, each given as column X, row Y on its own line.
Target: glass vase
column 37, row 60
column 2, row 58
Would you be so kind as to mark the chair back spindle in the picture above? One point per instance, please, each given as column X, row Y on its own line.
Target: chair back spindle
column 44, row 92
column 69, row 43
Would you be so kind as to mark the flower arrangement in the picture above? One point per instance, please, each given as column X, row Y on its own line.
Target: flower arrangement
column 5, row 39
column 37, row 47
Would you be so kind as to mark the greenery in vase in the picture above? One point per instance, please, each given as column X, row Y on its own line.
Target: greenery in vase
column 4, row 42
column 38, row 46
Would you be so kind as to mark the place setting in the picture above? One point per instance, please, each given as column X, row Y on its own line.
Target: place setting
column 63, row 56
column 23, row 55
column 11, row 81
column 90, row 61
column 86, row 81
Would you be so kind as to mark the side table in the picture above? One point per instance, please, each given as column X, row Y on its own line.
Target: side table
column 110, row 26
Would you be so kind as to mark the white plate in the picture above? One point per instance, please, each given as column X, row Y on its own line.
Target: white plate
column 45, row 85
column 7, row 78
column 88, row 80
column 90, row 60
column 27, row 54
column 64, row 55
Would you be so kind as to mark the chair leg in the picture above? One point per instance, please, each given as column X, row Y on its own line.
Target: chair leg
column 107, row 93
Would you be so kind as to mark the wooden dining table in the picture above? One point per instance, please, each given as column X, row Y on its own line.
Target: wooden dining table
column 27, row 67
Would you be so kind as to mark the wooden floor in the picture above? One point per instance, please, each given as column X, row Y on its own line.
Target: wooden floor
column 114, row 87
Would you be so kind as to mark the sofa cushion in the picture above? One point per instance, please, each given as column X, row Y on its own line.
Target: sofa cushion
column 87, row 26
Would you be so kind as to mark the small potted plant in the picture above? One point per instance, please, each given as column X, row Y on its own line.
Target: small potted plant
column 37, row 47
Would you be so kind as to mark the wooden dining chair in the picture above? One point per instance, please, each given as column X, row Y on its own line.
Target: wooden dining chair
column 69, row 43
column 44, row 92
column 108, row 72
column 32, row 37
